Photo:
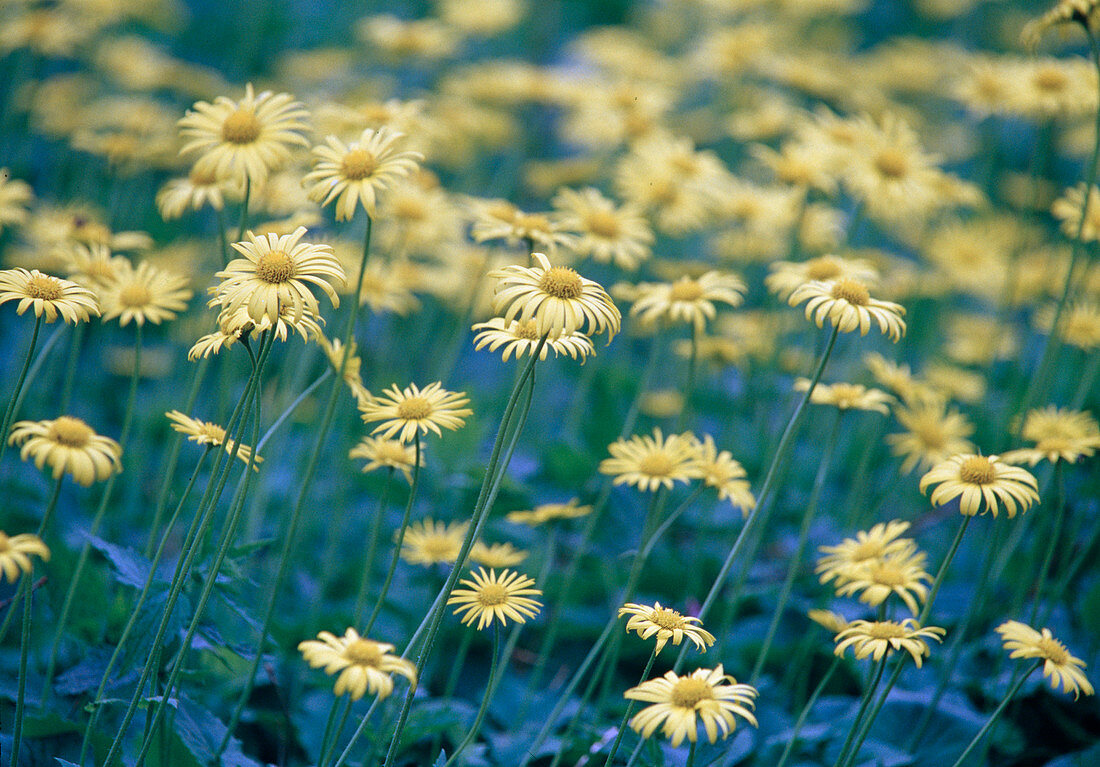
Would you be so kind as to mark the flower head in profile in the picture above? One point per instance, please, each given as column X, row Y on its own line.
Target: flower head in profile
column 206, row 433
column 380, row 452
column 246, row 138
column 981, row 483
column 16, row 552
column 883, row 638
column 558, row 299
column 505, row 597
column 1059, row 435
column 709, row 695
column 501, row 220
column 610, row 234
column 143, row 293
column 648, row 462
column 496, row 554
column 49, row 296
column 689, row 300
column 848, row 305
column 933, row 433
column 665, row 624
column 549, row 512
column 901, row 573
column 275, row 274
column 364, row 665
column 355, row 173
column 522, row 337
column 724, row 473
column 881, row 541
column 846, row 396
column 68, row 446
column 428, row 542
column 786, row 276
column 1059, row 666
column 828, row 620
column 406, row 412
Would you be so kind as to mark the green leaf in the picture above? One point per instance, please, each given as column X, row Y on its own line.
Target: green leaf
column 131, row 568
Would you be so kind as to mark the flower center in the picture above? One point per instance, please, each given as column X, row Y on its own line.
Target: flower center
column 892, row 163
column 930, row 434
column 363, row 652
column 409, row 209
column 852, row 291
column 977, row 470
column 822, row 269
column 866, row 550
column 689, row 692
column 200, row 176
column 71, row 432
column 602, row 223
column 135, row 296
column 241, row 127
column 655, row 465
column 439, row 548
column 886, row 630
column 44, row 287
column 358, row 164
column 391, row 452
column 685, row 289
column 275, row 267
column 1053, row 650
column 561, row 282
column 527, row 330
column 1051, row 80
column 414, row 409
column 888, row 575
column 492, row 594
column 667, row 618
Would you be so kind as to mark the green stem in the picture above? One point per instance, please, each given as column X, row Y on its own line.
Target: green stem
column 1055, row 534
column 223, row 235
column 626, row 716
column 36, row 366
column 689, row 382
column 372, row 549
column 865, row 728
column 863, row 704
column 51, row 505
column 327, row 751
column 244, row 209
column 9, row 410
column 24, row 648
column 942, row 572
column 490, row 686
column 691, row 754
column 801, row 721
column 996, row 714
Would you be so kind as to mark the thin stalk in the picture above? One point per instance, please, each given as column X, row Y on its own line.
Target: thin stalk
column 927, row 609
column 36, row 366
column 223, row 234
column 372, row 549
column 996, row 714
column 801, row 721
column 626, row 715
column 327, row 751
column 865, row 728
column 1084, row 387
column 490, row 687
column 689, row 381
column 691, row 754
column 51, row 505
column 9, row 409
column 24, row 648
column 863, row 704
column 244, row 208
column 1055, row 534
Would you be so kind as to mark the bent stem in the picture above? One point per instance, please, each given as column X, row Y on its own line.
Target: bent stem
column 24, row 648
column 880, row 666
column 9, row 410
column 372, row 549
column 996, row 714
column 490, row 688
column 629, row 711
column 1055, row 533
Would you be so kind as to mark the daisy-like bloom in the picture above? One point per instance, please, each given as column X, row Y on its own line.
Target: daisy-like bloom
column 933, row 433
column 522, row 337
column 235, row 325
column 67, row 445
column 364, row 665
column 507, row 596
column 884, row 638
column 665, row 624
column 1067, row 209
column 848, row 305
column 786, row 276
column 688, row 299
column 980, row 483
column 92, row 265
column 548, row 512
column 901, row 573
column 50, row 296
column 559, row 300
column 1083, row 12
column 882, row 540
column 355, row 173
column 143, row 293
column 244, row 139
column 380, row 452
column 621, row 236
column 496, row 554
column 827, row 619
column 846, row 396
column 1080, row 324
column 200, row 188
column 15, row 196
column 206, row 433
column 16, row 552
column 501, row 220
column 710, row 695
column 649, row 462
column 897, row 377
column 274, row 274
column 1059, row 435
column 1059, row 666
column 428, row 542
column 415, row 409
column 335, row 352
column 724, row 473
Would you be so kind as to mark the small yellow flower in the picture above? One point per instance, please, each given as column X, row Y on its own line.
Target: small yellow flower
column 16, row 552
column 884, row 638
column 355, row 173
column 706, row 694
column 428, row 542
column 846, row 396
column 619, row 235
column 901, row 573
column 933, row 434
column 143, row 293
column 665, row 623
column 722, row 472
column 981, row 483
column 689, row 300
column 496, row 554
column 882, row 540
column 206, row 433
column 504, row 597
column 848, row 305
column 787, row 276
column 501, row 220
column 50, row 296
column 380, row 452
column 1058, row 665
column 1059, row 435
column 364, row 665
column 68, row 446
column 522, row 337
column 404, row 412
column 648, row 462
column 548, row 512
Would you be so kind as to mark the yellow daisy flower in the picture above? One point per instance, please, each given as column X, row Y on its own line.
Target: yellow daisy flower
column 15, row 197
column 786, row 276
column 1059, row 435
column 496, row 554
column 143, row 293
column 710, row 695
column 206, row 433
column 648, row 462
column 504, row 597
column 610, row 234
column 50, row 296
column 501, row 220
column 414, row 409
column 380, row 452
column 522, row 337
column 846, row 396
column 981, row 481
column 665, row 624
column 68, row 446
column 721, row 471
column 364, row 665
column 848, row 305
column 428, row 542
column 901, row 573
column 92, row 265
column 16, row 552
column 687, row 299
column 1058, row 665
column 548, row 512
column 884, row 638
column 882, row 540
column 829, row 620
column 933, row 434
column 199, row 189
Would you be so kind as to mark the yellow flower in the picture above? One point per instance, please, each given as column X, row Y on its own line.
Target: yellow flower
column 200, row 188
column 416, row 409
column 900, row 573
column 934, row 433
column 92, row 265
column 501, row 220
column 504, row 597
column 16, row 551
column 364, row 665
column 496, row 554
column 848, row 305
column 679, row 700
column 206, row 433
column 548, row 512
column 522, row 337
column 237, row 324
column 335, row 352
column 981, row 481
column 618, row 235
column 884, row 638
column 274, row 273
column 1058, row 665
column 721, row 471
column 830, row 621
column 357, row 172
column 15, row 196
column 428, row 542
column 50, row 296
column 880, row 541
column 390, row 453
column 688, row 299
column 244, row 139
column 1079, row 324
column 556, row 297
column 1059, row 435
column 665, row 623
column 845, row 396
column 67, row 445
column 786, row 276
column 649, row 462
column 144, row 293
